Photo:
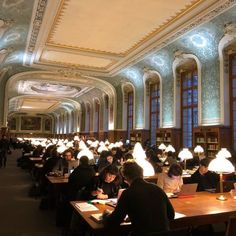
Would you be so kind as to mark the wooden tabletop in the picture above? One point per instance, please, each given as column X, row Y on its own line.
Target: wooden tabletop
column 57, row 179
column 202, row 208
column 36, row 158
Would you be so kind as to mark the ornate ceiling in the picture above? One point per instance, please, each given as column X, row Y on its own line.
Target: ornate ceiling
column 70, row 48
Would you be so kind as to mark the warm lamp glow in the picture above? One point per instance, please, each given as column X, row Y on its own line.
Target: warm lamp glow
column 76, row 138
column 184, row 155
column 87, row 153
column 170, row 148
column 198, row 149
column 102, row 148
column 82, row 145
column 221, row 165
column 61, row 149
column 162, row 146
column 224, row 153
column 140, row 158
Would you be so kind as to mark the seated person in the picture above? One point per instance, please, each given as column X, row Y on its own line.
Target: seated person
column 172, row 181
column 80, row 177
column 105, row 159
column 63, row 163
column 146, row 205
column 205, row 178
column 105, row 185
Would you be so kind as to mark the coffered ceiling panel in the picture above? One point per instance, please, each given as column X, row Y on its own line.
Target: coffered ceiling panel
column 111, row 26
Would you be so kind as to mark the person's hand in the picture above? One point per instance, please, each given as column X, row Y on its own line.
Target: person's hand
column 102, row 196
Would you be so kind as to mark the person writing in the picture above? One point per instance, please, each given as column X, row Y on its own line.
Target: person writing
column 146, row 205
column 106, row 184
column 172, row 181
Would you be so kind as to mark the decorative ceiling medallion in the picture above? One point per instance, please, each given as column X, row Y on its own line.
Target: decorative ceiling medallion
column 51, row 89
column 47, row 88
column 163, row 25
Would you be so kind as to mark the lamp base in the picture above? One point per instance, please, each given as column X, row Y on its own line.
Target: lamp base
column 221, row 198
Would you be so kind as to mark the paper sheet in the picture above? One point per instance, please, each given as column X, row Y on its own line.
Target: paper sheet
column 84, row 206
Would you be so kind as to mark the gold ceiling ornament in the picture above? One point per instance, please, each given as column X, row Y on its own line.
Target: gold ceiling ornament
column 172, row 19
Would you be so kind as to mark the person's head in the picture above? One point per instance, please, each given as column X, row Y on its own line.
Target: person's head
column 84, row 161
column 114, row 151
column 175, row 170
column 109, row 173
column 131, row 171
column 68, row 154
column 203, row 166
column 109, row 159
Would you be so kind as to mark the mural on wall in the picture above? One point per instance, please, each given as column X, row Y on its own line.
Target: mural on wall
column 12, row 123
column 47, row 124
column 30, row 123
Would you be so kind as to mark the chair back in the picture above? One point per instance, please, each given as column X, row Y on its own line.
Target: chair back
column 231, row 227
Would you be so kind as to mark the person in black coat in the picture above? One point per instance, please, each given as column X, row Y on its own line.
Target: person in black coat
column 203, row 177
column 80, row 177
column 4, row 148
column 106, row 184
column 146, row 204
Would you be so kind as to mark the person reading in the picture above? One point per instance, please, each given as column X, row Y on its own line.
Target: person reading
column 205, row 179
column 146, row 205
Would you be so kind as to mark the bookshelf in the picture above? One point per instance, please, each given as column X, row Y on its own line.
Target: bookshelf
column 212, row 139
column 169, row 136
column 139, row 136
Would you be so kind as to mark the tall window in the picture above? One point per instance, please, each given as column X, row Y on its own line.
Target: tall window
column 130, row 112
column 232, row 72
column 88, row 119
column 154, row 111
column 189, row 102
column 97, row 106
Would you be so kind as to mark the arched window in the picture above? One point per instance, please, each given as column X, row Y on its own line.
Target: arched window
column 154, row 110
column 88, row 116
column 130, row 102
column 96, row 116
column 106, row 112
column 232, row 77
column 189, row 102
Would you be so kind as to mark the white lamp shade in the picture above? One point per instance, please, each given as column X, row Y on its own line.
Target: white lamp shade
column 102, row 148
column 162, row 146
column 185, row 154
column 89, row 142
column 76, row 138
column 138, row 152
column 224, row 153
column 82, row 145
column 94, row 144
column 107, row 142
column 87, row 153
column 170, row 148
column 111, row 145
column 198, row 149
column 70, row 144
column 221, row 165
column 101, row 143
column 61, row 149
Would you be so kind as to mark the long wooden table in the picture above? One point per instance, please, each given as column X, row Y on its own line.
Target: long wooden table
column 200, row 209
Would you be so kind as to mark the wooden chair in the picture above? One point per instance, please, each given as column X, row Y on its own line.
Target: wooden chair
column 231, row 227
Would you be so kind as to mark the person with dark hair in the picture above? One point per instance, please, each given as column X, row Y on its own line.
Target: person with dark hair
column 172, row 181
column 203, row 177
column 106, row 184
column 146, row 205
column 4, row 148
column 105, row 159
column 80, row 177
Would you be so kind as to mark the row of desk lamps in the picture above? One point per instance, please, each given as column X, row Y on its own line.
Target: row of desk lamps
column 220, row 164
